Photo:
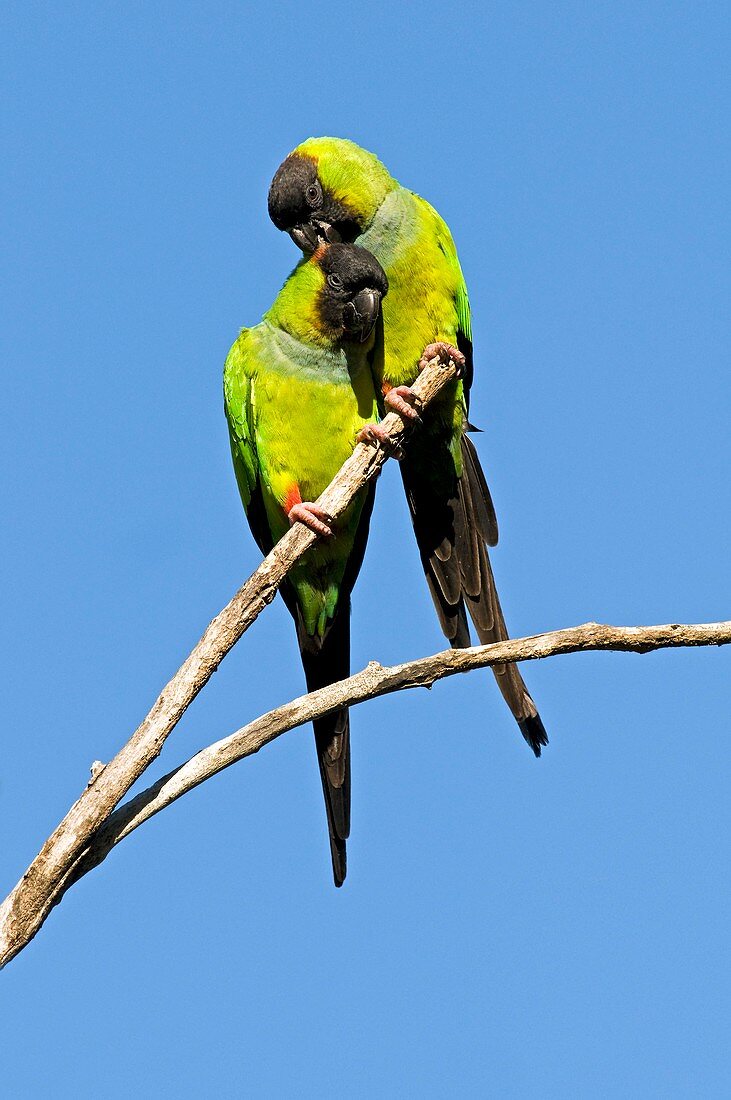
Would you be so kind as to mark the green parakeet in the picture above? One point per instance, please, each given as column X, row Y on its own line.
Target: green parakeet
column 298, row 390
column 331, row 189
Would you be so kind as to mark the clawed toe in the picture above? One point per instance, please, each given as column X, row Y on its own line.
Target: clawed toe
column 311, row 516
column 445, row 353
column 379, row 437
column 402, row 400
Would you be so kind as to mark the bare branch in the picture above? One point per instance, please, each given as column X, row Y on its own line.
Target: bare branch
column 26, row 907
column 371, row 682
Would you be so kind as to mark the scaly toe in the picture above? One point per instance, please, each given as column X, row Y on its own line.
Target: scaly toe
column 370, row 433
column 311, row 516
column 445, row 353
column 379, row 437
column 402, row 400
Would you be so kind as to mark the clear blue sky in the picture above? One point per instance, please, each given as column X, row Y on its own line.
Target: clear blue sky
column 509, row 927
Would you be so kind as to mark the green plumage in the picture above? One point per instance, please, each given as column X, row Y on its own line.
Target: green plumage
column 293, row 412
column 296, row 394
column 450, row 504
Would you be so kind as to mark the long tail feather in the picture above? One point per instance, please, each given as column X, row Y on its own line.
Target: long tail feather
column 508, row 677
column 454, row 522
column 324, row 664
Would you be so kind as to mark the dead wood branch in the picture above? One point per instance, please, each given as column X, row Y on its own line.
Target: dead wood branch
column 27, row 906
column 371, row 682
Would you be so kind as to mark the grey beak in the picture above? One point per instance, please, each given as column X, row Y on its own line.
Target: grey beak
column 310, row 235
column 327, row 232
column 360, row 315
column 305, row 237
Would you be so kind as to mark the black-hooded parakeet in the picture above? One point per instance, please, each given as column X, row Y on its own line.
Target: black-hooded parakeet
column 298, row 390
column 330, row 189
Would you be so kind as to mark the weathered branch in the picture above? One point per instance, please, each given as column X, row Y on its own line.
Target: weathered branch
column 26, row 907
column 371, row 682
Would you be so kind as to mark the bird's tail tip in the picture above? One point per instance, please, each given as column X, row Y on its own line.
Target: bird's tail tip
column 534, row 733
column 339, row 860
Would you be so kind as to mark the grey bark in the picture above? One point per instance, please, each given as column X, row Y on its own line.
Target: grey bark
column 26, row 907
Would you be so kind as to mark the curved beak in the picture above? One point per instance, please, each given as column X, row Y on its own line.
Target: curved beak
column 305, row 237
column 360, row 315
column 327, row 232
column 310, row 235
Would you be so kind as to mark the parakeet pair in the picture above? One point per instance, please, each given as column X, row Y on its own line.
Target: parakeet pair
column 327, row 194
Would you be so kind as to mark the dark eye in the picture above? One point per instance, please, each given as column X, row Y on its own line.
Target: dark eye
column 335, row 281
column 314, row 194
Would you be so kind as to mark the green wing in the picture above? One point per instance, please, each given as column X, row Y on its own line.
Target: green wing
column 238, row 397
column 461, row 302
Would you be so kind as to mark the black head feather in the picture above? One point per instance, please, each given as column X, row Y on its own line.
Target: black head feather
column 288, row 203
column 355, row 283
column 300, row 205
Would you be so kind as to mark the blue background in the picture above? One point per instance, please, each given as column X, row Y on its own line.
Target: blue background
column 509, row 927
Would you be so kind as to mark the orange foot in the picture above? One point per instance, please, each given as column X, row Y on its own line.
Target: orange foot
column 379, row 437
column 312, row 517
column 444, row 352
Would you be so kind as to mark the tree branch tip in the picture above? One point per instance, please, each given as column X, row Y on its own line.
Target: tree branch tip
column 76, row 846
column 95, row 771
column 26, row 908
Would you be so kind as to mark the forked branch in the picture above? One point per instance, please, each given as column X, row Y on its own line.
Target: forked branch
column 26, row 907
column 371, row 682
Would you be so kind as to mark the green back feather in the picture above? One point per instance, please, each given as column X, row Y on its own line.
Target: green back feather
column 427, row 298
